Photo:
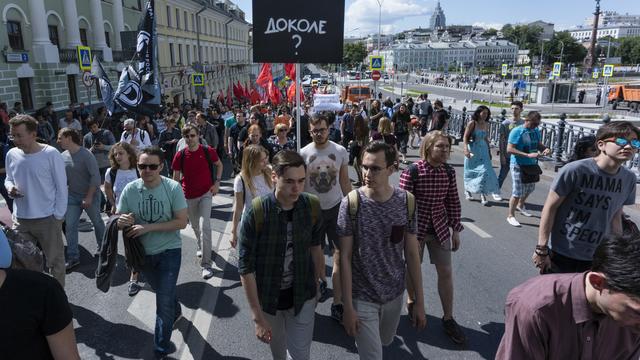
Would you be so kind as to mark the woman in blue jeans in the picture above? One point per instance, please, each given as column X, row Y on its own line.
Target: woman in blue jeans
column 83, row 178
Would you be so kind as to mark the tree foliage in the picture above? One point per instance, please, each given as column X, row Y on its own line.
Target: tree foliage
column 525, row 36
column 354, row 54
column 630, row 50
column 574, row 52
column 490, row 32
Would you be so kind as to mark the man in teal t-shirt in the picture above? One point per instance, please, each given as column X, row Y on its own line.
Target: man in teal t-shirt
column 153, row 209
column 525, row 145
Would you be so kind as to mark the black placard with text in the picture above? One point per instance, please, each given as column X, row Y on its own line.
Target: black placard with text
column 294, row 31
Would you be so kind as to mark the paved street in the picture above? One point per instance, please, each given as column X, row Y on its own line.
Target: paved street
column 493, row 258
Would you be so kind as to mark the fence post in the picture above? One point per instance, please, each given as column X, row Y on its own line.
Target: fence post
column 560, row 142
column 462, row 121
column 503, row 115
column 606, row 119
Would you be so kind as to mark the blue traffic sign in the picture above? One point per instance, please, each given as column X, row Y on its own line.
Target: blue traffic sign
column 376, row 63
column 84, row 58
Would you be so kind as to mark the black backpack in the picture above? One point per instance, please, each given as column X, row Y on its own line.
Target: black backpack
column 206, row 155
column 114, row 171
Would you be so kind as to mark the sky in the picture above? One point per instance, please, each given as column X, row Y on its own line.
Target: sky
column 361, row 16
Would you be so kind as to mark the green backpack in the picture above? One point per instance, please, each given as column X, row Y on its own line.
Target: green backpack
column 258, row 211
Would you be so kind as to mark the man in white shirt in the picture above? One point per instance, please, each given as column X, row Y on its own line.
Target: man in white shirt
column 37, row 182
column 139, row 138
column 69, row 121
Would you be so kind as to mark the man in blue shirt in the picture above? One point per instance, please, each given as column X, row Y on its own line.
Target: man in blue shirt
column 524, row 146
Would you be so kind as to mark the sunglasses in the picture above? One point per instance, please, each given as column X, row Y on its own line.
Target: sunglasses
column 622, row 142
column 148, row 166
column 190, row 136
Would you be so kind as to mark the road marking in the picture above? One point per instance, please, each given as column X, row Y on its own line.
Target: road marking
column 481, row 233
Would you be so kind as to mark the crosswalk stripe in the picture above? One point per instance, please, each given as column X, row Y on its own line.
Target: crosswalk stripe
column 481, row 233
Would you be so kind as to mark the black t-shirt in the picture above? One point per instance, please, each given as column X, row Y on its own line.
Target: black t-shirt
column 285, row 299
column 33, row 305
column 234, row 133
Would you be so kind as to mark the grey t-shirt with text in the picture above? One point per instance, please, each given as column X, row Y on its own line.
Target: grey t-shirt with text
column 592, row 198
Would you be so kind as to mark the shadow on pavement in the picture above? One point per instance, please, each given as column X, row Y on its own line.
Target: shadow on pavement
column 327, row 331
column 191, row 294
column 89, row 263
column 109, row 339
column 199, row 348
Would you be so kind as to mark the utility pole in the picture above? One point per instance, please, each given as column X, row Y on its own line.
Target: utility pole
column 591, row 55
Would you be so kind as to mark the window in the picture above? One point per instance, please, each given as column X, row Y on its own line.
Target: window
column 171, row 55
column 168, row 16
column 14, row 32
column 53, row 35
column 188, row 55
column 177, row 19
column 186, row 22
column 83, row 37
column 106, row 38
column 180, row 54
column 193, row 22
column 71, row 85
column 25, row 93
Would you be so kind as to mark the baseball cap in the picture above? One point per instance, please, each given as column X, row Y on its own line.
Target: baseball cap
column 5, row 252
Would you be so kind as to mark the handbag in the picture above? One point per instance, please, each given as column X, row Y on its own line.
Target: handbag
column 25, row 254
column 530, row 173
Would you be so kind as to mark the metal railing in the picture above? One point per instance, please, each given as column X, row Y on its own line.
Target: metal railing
column 560, row 138
column 71, row 55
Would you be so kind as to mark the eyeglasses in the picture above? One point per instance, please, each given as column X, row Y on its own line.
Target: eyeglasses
column 282, row 130
column 622, row 142
column 148, row 166
column 190, row 136
column 318, row 131
column 373, row 169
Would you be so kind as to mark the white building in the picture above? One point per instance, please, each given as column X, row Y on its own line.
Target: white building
column 608, row 18
column 412, row 55
column 583, row 33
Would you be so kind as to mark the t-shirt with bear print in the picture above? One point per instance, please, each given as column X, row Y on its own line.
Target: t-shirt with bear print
column 378, row 265
column 323, row 172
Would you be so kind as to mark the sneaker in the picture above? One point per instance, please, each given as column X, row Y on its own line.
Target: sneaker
column 199, row 253
column 497, row 197
column 468, row 196
column 134, row 288
column 453, row 331
column 70, row 265
column 483, row 200
column 207, row 272
column 524, row 211
column 337, row 311
column 513, row 221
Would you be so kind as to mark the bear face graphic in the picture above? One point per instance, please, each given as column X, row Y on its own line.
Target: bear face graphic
column 322, row 172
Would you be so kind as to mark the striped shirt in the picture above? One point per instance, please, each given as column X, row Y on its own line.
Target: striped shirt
column 437, row 200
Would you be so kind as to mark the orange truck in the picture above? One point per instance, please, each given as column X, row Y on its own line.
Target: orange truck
column 356, row 93
column 625, row 95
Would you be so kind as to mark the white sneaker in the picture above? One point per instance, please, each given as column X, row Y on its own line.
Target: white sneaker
column 513, row 221
column 483, row 200
column 497, row 197
column 524, row 212
column 207, row 273
column 199, row 253
column 468, row 196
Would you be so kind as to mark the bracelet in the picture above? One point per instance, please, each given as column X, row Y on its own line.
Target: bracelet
column 542, row 250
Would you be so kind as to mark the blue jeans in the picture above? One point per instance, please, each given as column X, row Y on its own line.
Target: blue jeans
column 504, row 171
column 72, row 217
column 161, row 271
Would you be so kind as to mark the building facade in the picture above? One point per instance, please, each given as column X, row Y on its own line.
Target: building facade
column 466, row 54
column 221, row 47
column 438, row 20
column 614, row 31
column 608, row 18
column 547, row 29
column 39, row 60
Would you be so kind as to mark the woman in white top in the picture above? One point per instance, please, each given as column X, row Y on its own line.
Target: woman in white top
column 254, row 180
column 123, row 159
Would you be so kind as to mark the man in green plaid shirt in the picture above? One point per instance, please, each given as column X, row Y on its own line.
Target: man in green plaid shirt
column 281, row 263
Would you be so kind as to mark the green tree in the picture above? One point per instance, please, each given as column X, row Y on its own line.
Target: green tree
column 354, row 54
column 490, row 32
column 525, row 36
column 574, row 52
column 630, row 50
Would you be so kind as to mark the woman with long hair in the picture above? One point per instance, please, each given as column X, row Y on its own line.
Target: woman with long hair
column 279, row 140
column 123, row 170
column 385, row 133
column 479, row 176
column 254, row 180
column 360, row 140
column 401, row 121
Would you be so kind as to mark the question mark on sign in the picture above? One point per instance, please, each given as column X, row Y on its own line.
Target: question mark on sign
column 299, row 38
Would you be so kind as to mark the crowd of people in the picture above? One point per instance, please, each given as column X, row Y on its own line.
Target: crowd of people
column 293, row 207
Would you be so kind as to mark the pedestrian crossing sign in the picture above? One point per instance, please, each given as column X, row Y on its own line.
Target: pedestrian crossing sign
column 505, row 69
column 557, row 69
column 607, row 71
column 527, row 71
column 376, row 63
column 596, row 73
column 84, row 58
column 197, row 79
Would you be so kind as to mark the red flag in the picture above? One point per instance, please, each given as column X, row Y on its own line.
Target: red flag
column 247, row 92
column 255, row 96
column 237, row 92
column 274, row 93
column 266, row 76
column 221, row 96
column 291, row 93
column 229, row 101
column 290, row 70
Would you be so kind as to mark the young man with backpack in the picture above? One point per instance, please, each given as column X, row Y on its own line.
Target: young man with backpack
column 194, row 167
column 281, row 263
column 433, row 183
column 376, row 252
column 138, row 138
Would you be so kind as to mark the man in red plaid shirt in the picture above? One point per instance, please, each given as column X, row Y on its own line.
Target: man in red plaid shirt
column 433, row 183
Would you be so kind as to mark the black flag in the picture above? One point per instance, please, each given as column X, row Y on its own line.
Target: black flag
column 139, row 87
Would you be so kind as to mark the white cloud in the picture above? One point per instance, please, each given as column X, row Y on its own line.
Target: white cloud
column 363, row 15
column 485, row 25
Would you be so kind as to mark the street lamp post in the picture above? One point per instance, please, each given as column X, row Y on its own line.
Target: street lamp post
column 379, row 22
column 199, row 65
